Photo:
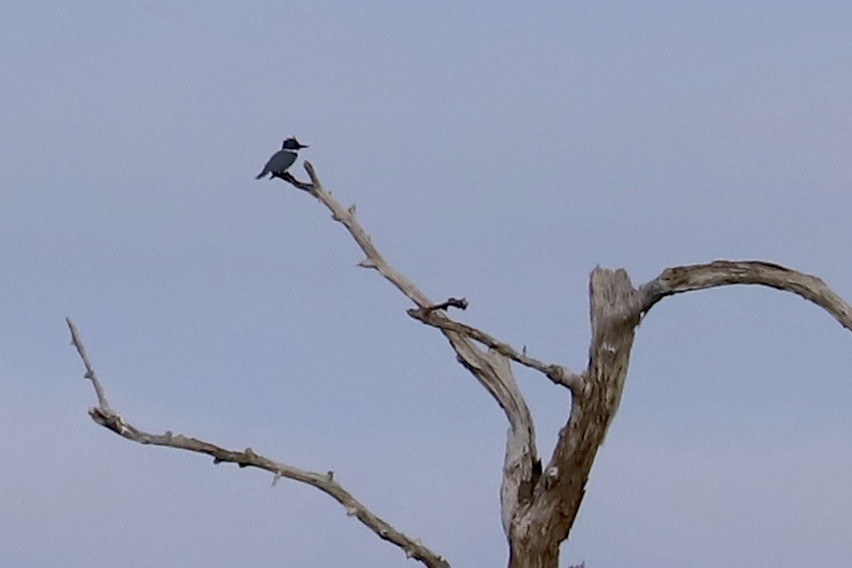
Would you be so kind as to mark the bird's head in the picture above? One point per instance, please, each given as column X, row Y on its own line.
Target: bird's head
column 292, row 144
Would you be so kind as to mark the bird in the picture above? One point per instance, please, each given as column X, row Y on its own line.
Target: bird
column 282, row 159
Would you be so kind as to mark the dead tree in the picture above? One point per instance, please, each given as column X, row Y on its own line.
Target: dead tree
column 538, row 502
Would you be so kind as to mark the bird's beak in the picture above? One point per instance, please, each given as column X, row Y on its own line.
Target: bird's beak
column 303, row 145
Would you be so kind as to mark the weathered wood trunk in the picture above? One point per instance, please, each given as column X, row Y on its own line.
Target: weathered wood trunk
column 540, row 527
column 532, row 555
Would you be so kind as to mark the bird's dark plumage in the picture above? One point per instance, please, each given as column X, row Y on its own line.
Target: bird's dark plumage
column 282, row 159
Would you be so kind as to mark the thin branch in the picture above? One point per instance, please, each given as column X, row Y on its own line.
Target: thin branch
column 90, row 371
column 510, row 399
column 325, row 482
column 346, row 217
column 556, row 373
column 490, row 368
column 679, row 279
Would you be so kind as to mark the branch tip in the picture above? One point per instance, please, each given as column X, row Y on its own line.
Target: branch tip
column 313, row 175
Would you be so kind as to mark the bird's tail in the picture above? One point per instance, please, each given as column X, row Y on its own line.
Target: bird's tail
column 261, row 174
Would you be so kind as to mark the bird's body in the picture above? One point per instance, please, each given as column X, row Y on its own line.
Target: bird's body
column 282, row 159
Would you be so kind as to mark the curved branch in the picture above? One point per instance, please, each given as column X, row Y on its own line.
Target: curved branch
column 108, row 418
column 679, row 279
column 490, row 368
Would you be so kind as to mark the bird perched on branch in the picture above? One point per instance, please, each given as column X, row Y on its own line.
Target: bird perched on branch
column 282, row 159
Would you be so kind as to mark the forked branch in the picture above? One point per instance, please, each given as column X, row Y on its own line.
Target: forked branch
column 325, row 482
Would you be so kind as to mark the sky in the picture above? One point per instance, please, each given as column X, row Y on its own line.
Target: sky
column 496, row 151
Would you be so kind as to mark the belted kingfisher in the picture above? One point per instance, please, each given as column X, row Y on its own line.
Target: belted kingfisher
column 282, row 159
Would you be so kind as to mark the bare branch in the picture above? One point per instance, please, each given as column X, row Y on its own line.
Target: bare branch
column 469, row 355
column 90, row 371
column 490, row 368
column 681, row 279
column 346, row 217
column 325, row 482
column 556, row 373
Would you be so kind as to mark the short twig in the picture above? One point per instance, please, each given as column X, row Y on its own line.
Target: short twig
column 460, row 303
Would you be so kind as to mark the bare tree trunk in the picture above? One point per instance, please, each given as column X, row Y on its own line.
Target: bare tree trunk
column 547, row 520
column 531, row 554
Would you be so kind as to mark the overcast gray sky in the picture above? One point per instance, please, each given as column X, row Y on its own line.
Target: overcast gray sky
column 497, row 152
